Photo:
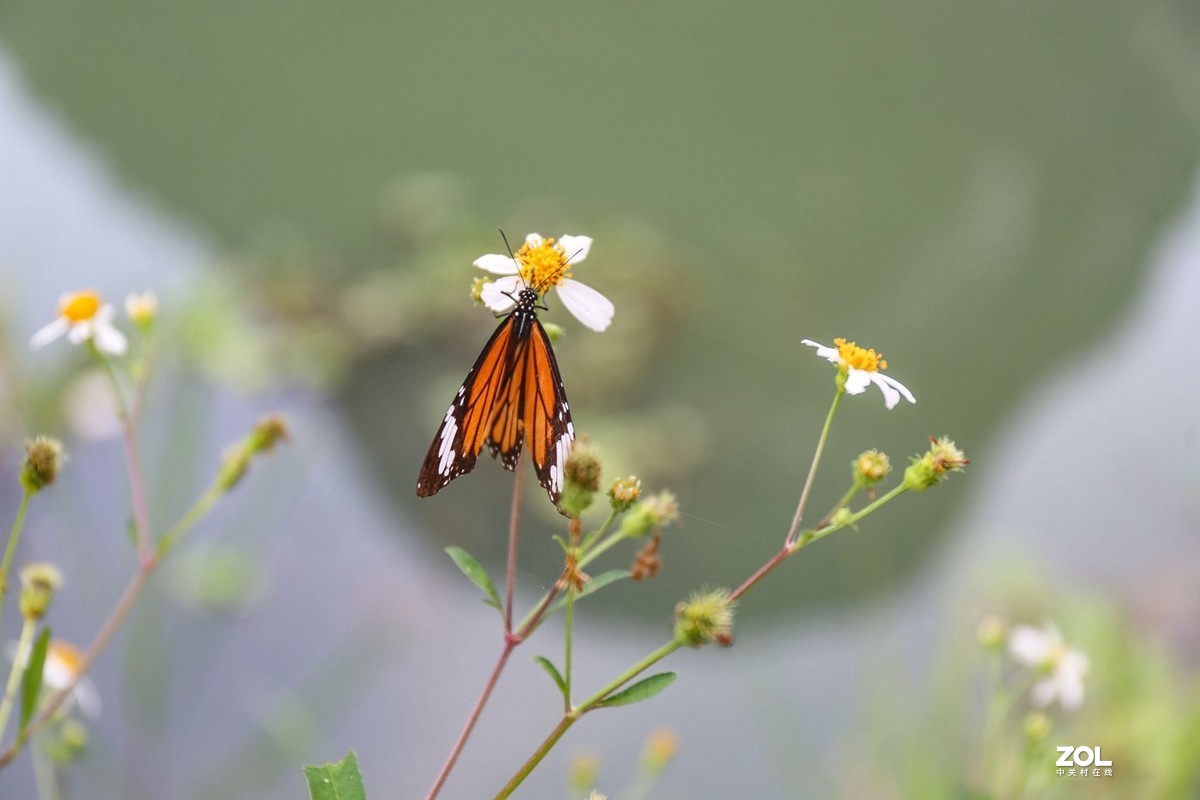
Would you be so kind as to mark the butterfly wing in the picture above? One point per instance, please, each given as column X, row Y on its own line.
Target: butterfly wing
column 465, row 427
column 513, row 393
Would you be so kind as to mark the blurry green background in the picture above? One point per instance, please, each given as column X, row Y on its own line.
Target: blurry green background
column 969, row 188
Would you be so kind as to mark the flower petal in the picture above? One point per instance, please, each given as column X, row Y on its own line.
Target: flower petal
column 589, row 306
column 108, row 339
column 80, row 332
column 1029, row 645
column 827, row 353
column 857, row 381
column 576, row 247
column 49, row 333
column 534, row 240
column 498, row 295
column 886, row 382
column 1043, row 692
column 497, row 263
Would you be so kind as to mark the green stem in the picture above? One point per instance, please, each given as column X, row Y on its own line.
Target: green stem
column 20, row 659
column 625, row 677
column 10, row 550
column 812, row 470
column 141, row 510
column 564, row 724
column 572, row 715
column 809, row 536
column 535, row 617
column 569, row 630
column 45, row 776
column 193, row 515
column 117, row 616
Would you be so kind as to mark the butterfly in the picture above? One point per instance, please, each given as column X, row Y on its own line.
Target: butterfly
column 512, row 395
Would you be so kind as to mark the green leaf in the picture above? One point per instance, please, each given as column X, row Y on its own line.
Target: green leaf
column 337, row 781
column 31, row 681
column 553, row 672
column 594, row 585
column 642, row 690
column 475, row 571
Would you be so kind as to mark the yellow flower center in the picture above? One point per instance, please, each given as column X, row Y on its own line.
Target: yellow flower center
column 544, row 266
column 859, row 358
column 67, row 654
column 79, row 307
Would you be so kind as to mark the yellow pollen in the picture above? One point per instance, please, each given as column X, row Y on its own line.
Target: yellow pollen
column 67, row 654
column 859, row 358
column 79, row 307
column 544, row 266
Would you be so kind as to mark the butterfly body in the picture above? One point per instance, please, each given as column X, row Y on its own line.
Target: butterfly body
column 512, row 397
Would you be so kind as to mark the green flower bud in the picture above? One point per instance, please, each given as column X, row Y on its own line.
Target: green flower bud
column 581, row 478
column 870, row 468
column 38, row 582
column 656, row 511
column 704, row 618
column 624, row 492
column 44, row 457
column 931, row 468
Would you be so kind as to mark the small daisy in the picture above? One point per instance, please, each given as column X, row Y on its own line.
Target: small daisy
column 142, row 308
column 83, row 318
column 544, row 264
column 862, row 367
column 63, row 661
column 1044, row 650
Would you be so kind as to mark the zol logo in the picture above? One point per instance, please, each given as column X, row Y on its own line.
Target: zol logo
column 1082, row 756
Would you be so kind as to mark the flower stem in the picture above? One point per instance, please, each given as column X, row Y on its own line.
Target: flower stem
column 510, row 641
column 812, row 470
column 510, row 573
column 11, row 548
column 137, row 491
column 117, row 616
column 789, row 549
column 20, row 659
column 460, row 743
column 571, row 715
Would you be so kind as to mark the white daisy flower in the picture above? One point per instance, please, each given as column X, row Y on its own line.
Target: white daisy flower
column 1043, row 649
column 862, row 367
column 82, row 317
column 63, row 662
column 544, row 264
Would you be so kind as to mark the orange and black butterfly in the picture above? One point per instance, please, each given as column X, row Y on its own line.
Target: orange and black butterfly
column 512, row 395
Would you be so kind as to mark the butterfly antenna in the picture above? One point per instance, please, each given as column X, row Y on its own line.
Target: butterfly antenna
column 512, row 255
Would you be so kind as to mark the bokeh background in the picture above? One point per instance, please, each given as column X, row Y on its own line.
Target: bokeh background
column 999, row 196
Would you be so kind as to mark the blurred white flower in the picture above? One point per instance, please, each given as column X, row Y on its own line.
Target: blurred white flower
column 862, row 368
column 1044, row 650
column 142, row 308
column 83, row 317
column 63, row 662
column 544, row 264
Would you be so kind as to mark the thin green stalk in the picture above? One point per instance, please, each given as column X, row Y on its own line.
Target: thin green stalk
column 45, row 776
column 11, row 549
column 141, row 509
column 572, row 715
column 809, row 536
column 193, row 515
column 569, row 638
column 117, row 616
column 600, row 546
column 812, row 470
column 20, row 659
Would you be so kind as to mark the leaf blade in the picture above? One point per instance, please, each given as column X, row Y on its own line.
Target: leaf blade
column 642, row 690
column 475, row 573
column 339, row 780
column 31, row 681
column 554, row 674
